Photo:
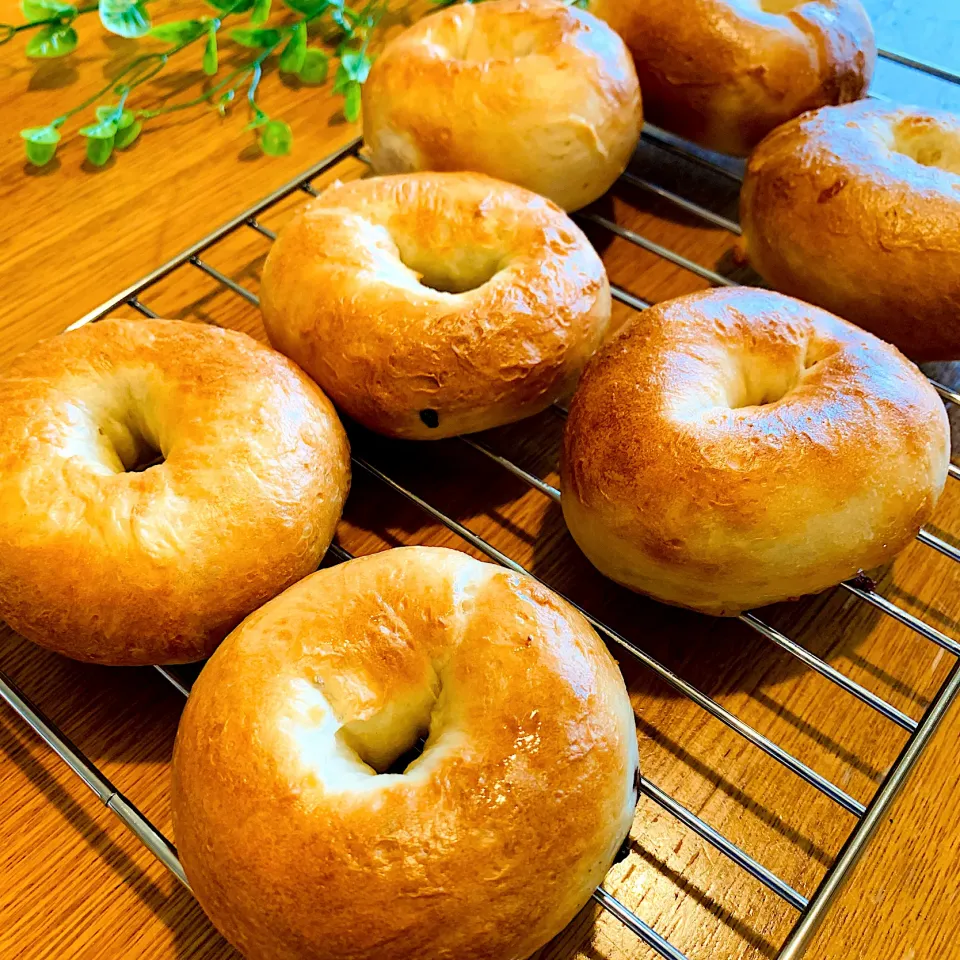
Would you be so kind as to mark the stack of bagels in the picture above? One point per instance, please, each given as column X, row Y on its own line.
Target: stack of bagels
column 167, row 490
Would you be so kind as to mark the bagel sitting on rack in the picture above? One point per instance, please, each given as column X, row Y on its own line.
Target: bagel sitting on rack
column 724, row 73
column 302, row 835
column 857, row 209
column 434, row 304
column 735, row 448
column 535, row 92
column 105, row 561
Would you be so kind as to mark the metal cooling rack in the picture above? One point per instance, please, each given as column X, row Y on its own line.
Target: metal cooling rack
column 810, row 911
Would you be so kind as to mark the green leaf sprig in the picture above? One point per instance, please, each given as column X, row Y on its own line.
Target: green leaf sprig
column 53, row 22
column 117, row 125
column 355, row 61
column 102, row 135
column 125, row 18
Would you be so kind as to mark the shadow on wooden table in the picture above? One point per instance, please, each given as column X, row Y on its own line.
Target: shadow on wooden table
column 170, row 903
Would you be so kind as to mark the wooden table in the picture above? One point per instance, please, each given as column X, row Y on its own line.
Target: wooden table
column 75, row 884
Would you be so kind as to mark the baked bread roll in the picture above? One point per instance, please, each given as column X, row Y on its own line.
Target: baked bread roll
column 302, row 835
column 857, row 209
column 535, row 92
column 737, row 447
column 724, row 73
column 106, row 562
column 435, row 304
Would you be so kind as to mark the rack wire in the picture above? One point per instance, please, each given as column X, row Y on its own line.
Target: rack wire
column 810, row 909
column 931, row 69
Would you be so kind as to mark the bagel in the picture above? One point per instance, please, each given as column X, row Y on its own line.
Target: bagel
column 857, row 209
column 429, row 305
column 302, row 835
column 108, row 563
column 737, row 447
column 530, row 91
column 724, row 73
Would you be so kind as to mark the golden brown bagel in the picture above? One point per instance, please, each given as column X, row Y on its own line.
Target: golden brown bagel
column 109, row 565
column 857, row 209
column 530, row 91
column 734, row 448
column 429, row 305
column 298, row 849
column 724, row 73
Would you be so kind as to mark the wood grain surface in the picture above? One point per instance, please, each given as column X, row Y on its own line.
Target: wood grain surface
column 75, row 884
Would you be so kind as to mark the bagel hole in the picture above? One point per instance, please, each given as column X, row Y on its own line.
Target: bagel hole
column 457, row 271
column 760, row 380
column 445, row 284
column 394, row 738
column 761, row 386
column 922, row 141
column 147, row 456
column 135, row 450
column 818, row 350
column 764, row 400
column 399, row 766
column 384, row 758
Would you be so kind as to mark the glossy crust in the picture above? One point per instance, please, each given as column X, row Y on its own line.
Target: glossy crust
column 857, row 209
column 531, row 91
column 341, row 295
column 724, row 73
column 484, row 847
column 158, row 566
column 734, row 448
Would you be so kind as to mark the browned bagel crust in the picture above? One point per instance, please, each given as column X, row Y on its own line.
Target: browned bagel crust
column 158, row 566
column 837, row 210
column 534, row 92
column 482, row 849
column 724, row 76
column 737, row 447
column 340, row 298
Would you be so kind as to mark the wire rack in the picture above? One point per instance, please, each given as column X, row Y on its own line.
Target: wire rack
column 809, row 910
